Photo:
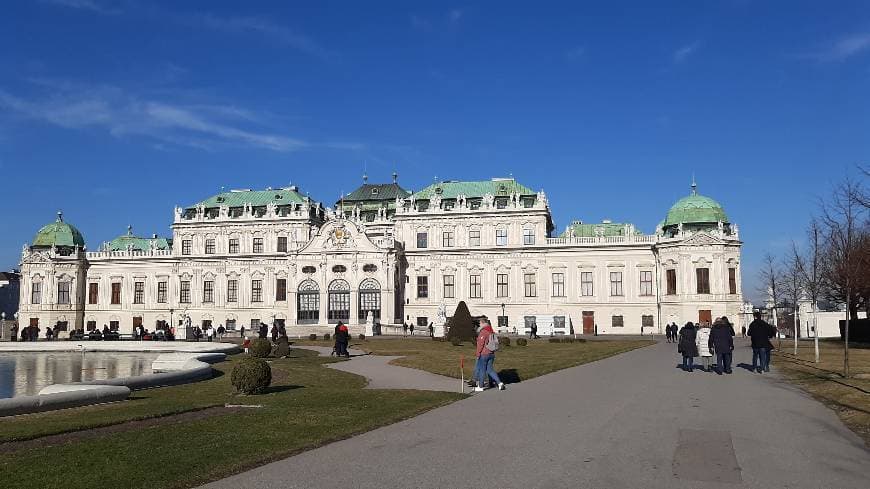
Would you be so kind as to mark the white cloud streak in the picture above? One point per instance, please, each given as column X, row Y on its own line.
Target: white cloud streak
column 843, row 48
column 684, row 52
column 89, row 5
column 261, row 26
column 123, row 114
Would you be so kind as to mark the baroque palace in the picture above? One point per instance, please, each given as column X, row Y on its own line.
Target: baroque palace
column 386, row 255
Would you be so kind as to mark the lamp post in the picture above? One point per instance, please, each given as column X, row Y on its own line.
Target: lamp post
column 504, row 316
column 171, row 322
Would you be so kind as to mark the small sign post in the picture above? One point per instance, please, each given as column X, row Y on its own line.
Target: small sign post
column 462, row 374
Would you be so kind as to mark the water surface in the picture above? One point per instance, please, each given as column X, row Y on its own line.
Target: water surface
column 24, row 374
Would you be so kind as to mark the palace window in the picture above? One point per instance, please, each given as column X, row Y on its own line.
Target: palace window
column 586, row 284
column 36, row 293
column 282, row 244
column 474, row 237
column 161, row 292
column 528, row 236
column 732, row 280
column 258, row 245
column 474, row 288
column 501, row 285
column 138, row 292
column 646, row 282
column 308, row 303
column 616, row 321
column 500, row 203
column 256, row 291
column 232, row 290
column 338, row 301
column 529, row 286
column 616, row 284
column 447, row 239
column 185, row 246
column 646, row 321
column 370, row 268
column 281, row 289
column 184, row 293
column 449, row 288
column 209, row 246
column 63, row 292
column 703, row 280
column 208, row 291
column 234, row 245
column 422, row 287
column 558, row 284
column 93, row 293
column 369, row 299
column 116, row 292
column 422, row 240
column 501, row 237
column 671, row 275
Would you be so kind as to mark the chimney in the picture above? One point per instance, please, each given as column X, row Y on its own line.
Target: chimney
column 395, row 177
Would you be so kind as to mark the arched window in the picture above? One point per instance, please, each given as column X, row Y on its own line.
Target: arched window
column 369, row 299
column 308, row 303
column 338, row 301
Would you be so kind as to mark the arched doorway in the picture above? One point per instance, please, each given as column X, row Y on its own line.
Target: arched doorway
column 369, row 299
column 338, row 301
column 308, row 303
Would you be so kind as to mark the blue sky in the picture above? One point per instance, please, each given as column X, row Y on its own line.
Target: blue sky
column 116, row 111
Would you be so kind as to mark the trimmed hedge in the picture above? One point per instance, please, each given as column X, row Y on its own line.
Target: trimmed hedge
column 251, row 376
column 260, row 348
column 312, row 337
column 362, row 336
column 455, row 341
column 504, row 341
column 555, row 340
column 522, row 342
column 326, row 337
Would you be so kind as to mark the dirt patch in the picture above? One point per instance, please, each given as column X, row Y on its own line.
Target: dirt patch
column 73, row 436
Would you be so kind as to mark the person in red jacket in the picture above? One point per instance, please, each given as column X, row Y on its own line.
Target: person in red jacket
column 487, row 345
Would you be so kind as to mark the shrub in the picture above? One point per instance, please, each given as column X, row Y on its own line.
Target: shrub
column 522, row 342
column 455, row 342
column 251, row 376
column 282, row 348
column 326, row 337
column 567, row 339
column 312, row 337
column 461, row 326
column 362, row 336
column 580, row 340
column 504, row 341
column 555, row 340
column 260, row 348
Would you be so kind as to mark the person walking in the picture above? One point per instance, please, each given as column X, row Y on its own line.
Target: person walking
column 431, row 330
column 274, row 333
column 404, row 329
column 342, row 338
column 487, row 345
column 687, row 347
column 705, row 346
column 209, row 333
column 743, row 331
column 760, row 334
column 728, row 325
column 264, row 330
column 13, row 332
column 668, row 332
column 411, row 327
column 723, row 345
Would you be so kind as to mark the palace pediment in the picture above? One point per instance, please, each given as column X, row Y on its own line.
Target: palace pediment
column 339, row 236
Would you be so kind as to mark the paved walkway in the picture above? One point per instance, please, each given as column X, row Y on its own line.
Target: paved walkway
column 633, row 420
column 382, row 375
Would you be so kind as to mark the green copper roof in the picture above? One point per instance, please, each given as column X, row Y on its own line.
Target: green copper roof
column 496, row 187
column 128, row 241
column 59, row 233
column 695, row 209
column 234, row 198
column 588, row 230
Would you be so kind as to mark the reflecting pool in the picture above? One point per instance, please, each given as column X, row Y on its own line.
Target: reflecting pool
column 24, row 374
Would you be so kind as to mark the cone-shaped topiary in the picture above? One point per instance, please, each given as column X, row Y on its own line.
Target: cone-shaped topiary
column 260, row 348
column 461, row 326
column 251, row 376
column 282, row 348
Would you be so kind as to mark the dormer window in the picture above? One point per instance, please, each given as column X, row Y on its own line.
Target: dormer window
column 220, row 199
column 439, row 190
column 374, row 191
column 278, row 196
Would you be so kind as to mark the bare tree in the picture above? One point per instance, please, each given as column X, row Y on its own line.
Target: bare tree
column 770, row 286
column 810, row 269
column 792, row 288
column 845, row 220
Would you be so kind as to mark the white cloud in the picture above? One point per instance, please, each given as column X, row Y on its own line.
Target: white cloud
column 264, row 27
column 575, row 52
column 843, row 48
column 455, row 15
column 123, row 114
column 684, row 52
column 90, row 5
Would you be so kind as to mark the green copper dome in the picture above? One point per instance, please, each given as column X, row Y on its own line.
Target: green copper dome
column 695, row 209
column 59, row 233
column 135, row 243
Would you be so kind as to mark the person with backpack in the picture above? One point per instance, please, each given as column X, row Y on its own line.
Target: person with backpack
column 760, row 334
column 723, row 345
column 342, row 338
column 687, row 347
column 487, row 345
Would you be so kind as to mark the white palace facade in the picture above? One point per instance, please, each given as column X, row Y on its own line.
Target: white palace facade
column 244, row 257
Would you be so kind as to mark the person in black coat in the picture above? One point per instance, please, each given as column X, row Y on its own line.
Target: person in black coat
column 263, row 331
column 687, row 346
column 722, row 342
column 760, row 334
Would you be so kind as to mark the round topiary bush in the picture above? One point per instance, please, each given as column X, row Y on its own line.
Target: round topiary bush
column 455, row 342
column 251, row 376
column 362, row 336
column 555, row 340
column 567, row 339
column 260, row 348
column 326, row 337
column 504, row 341
column 522, row 342
column 312, row 337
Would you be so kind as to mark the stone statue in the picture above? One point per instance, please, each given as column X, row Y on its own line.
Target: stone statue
column 436, row 202
column 721, row 226
column 542, row 199
column 178, row 212
column 271, row 208
column 441, row 315
column 488, row 200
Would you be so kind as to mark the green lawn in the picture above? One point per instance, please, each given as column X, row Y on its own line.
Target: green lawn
column 308, row 406
column 514, row 363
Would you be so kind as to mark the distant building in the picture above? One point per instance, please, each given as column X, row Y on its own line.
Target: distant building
column 244, row 257
column 9, row 293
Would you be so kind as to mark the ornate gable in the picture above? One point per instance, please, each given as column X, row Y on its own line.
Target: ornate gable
column 339, row 236
column 702, row 239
